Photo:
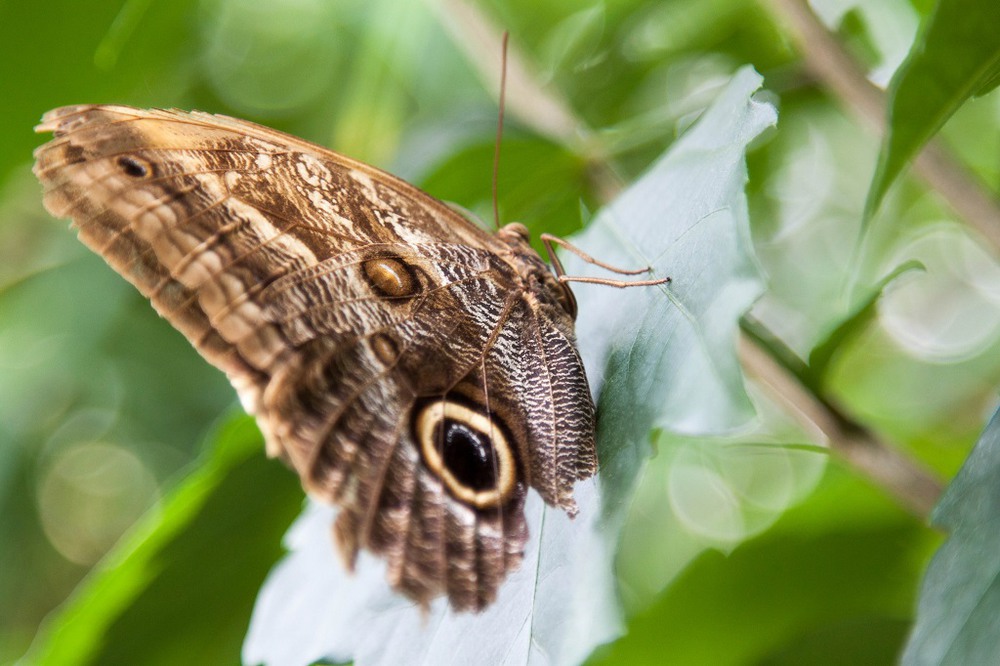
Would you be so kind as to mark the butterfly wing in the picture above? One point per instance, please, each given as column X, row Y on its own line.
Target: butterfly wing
column 203, row 212
column 390, row 353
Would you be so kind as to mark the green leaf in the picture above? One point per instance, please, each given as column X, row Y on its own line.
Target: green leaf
column 183, row 582
column 571, row 44
column 65, row 59
column 956, row 57
column 686, row 215
column 960, row 599
column 864, row 312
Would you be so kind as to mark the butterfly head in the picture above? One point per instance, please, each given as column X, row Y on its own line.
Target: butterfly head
column 538, row 274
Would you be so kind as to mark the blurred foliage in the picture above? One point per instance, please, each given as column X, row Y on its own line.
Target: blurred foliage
column 957, row 57
column 956, row 620
column 188, row 569
column 813, row 589
column 103, row 407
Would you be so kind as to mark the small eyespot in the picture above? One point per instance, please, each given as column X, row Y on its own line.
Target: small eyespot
column 385, row 347
column 74, row 154
column 134, row 167
column 391, row 277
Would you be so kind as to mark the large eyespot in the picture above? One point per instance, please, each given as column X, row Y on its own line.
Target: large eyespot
column 391, row 277
column 468, row 451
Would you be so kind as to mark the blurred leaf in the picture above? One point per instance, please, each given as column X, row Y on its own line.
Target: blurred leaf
column 571, row 43
column 956, row 57
column 864, row 312
column 56, row 53
column 270, row 59
column 960, row 599
column 119, row 33
column 864, row 640
column 688, row 215
column 854, row 33
column 991, row 82
column 813, row 590
column 538, row 184
column 83, row 359
column 374, row 105
column 183, row 583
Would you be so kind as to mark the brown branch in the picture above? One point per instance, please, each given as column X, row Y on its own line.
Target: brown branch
column 913, row 486
column 827, row 60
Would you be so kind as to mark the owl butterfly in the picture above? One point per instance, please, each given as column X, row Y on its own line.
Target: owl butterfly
column 415, row 370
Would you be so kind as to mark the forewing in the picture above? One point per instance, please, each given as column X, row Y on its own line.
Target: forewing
column 203, row 212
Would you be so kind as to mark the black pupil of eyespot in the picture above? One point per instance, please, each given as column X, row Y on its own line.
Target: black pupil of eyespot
column 131, row 167
column 468, row 455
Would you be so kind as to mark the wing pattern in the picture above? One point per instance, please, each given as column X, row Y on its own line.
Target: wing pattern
column 412, row 368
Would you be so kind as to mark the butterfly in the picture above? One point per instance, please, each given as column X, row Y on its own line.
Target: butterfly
column 416, row 370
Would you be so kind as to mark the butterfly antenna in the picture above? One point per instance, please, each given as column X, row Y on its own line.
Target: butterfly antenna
column 496, row 147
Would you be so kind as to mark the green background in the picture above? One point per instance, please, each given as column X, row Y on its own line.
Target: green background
column 105, row 411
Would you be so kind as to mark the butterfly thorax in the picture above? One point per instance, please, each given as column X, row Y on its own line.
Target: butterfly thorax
column 537, row 278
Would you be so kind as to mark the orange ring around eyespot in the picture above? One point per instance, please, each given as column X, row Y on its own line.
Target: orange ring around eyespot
column 390, row 277
column 426, row 426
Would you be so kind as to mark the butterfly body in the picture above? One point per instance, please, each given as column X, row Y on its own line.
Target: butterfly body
column 416, row 370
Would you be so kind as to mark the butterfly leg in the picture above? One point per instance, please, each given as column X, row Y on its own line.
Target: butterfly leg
column 549, row 240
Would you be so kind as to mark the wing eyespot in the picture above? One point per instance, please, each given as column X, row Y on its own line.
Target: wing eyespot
column 391, row 277
column 385, row 347
column 74, row 154
column 135, row 167
column 469, row 452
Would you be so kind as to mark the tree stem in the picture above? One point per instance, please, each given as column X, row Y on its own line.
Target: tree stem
column 915, row 487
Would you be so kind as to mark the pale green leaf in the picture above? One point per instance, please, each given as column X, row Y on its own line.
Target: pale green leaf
column 960, row 600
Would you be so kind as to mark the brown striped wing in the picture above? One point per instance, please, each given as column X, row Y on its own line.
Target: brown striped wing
column 396, row 355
